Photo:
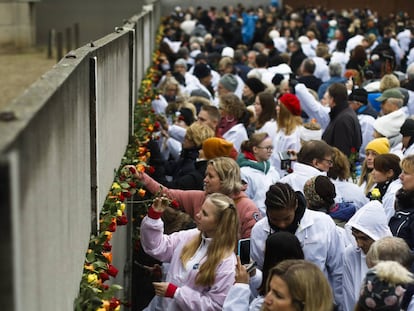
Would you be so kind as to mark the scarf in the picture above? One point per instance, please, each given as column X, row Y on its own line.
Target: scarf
column 226, row 125
column 247, row 158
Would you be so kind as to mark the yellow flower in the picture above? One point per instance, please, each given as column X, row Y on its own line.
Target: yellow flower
column 118, row 308
column 141, row 192
column 122, row 207
column 92, row 278
column 118, row 212
column 375, row 193
column 115, row 186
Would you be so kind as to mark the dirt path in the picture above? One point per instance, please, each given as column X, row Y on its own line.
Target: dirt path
column 19, row 70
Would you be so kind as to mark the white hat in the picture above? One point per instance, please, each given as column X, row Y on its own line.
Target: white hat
column 274, row 34
column 390, row 124
column 227, row 51
column 332, row 23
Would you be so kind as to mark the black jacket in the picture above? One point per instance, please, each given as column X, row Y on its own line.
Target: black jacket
column 344, row 130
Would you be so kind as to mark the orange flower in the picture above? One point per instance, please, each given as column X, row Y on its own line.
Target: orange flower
column 108, row 235
column 141, row 192
column 88, row 267
column 140, row 168
column 108, row 256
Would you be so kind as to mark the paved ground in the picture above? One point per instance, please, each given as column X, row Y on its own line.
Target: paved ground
column 18, row 70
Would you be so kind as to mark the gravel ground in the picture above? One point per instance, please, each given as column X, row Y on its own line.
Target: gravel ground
column 18, row 70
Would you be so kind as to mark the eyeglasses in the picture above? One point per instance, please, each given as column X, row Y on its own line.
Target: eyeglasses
column 330, row 162
column 268, row 148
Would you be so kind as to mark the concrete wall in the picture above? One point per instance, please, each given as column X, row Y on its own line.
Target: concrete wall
column 17, row 24
column 96, row 18
column 58, row 151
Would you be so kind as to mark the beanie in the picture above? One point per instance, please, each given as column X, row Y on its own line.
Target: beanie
column 202, row 70
column 379, row 145
column 186, row 115
column 319, row 191
column 291, row 102
column 407, row 129
column 359, row 95
column 390, row 124
column 229, row 82
column 217, row 147
column 255, row 85
column 277, row 78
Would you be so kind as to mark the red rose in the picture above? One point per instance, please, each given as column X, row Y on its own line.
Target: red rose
column 122, row 220
column 112, row 271
column 105, row 287
column 132, row 170
column 156, row 125
column 150, row 169
column 104, row 276
column 113, row 303
column 353, row 150
column 127, row 194
column 112, row 227
column 132, row 184
column 107, row 246
column 174, row 204
column 121, row 197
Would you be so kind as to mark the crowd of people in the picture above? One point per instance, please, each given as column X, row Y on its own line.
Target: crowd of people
column 294, row 129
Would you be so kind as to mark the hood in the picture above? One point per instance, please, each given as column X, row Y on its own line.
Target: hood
column 371, row 220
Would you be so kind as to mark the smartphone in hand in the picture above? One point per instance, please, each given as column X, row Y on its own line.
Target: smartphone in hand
column 243, row 250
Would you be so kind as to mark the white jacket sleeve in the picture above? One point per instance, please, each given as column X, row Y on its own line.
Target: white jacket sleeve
column 311, row 106
column 238, row 298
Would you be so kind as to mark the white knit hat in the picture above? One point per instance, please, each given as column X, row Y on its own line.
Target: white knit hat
column 390, row 124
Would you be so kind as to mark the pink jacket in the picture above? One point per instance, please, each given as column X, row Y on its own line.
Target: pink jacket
column 189, row 296
column 191, row 201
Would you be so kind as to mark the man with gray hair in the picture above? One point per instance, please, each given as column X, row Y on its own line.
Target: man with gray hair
column 335, row 71
column 391, row 100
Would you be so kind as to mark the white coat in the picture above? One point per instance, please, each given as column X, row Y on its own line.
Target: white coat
column 258, row 182
column 283, row 142
column 320, row 241
column 367, row 130
column 270, row 128
column 349, row 192
column 372, row 221
column 301, row 174
column 237, row 134
column 238, row 299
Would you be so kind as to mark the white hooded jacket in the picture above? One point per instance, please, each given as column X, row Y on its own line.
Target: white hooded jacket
column 371, row 220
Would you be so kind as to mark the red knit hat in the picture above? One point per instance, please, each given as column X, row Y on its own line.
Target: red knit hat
column 291, row 102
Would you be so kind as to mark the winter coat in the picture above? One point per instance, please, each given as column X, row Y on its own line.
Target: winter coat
column 372, row 221
column 189, row 296
column 344, row 131
column 320, row 240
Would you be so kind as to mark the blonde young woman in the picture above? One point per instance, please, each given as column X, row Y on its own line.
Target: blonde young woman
column 297, row 285
column 255, row 168
column 374, row 147
column 289, row 123
column 202, row 260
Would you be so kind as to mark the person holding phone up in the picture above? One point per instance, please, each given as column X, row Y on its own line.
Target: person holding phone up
column 202, row 260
